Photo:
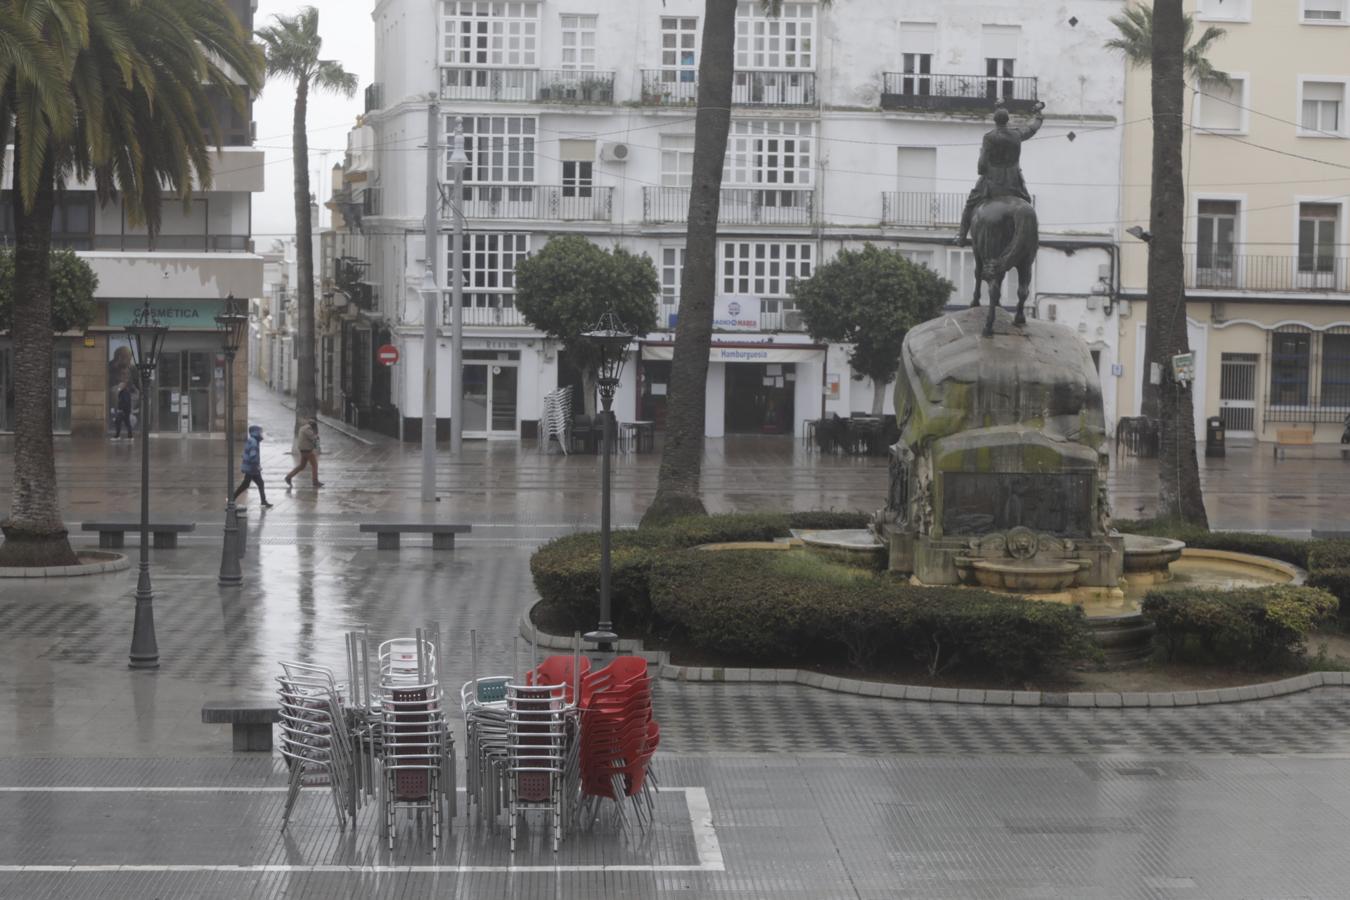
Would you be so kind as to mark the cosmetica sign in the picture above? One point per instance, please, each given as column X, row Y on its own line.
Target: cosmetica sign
column 733, row 313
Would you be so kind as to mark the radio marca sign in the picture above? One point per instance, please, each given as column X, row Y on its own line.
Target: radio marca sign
column 735, row 312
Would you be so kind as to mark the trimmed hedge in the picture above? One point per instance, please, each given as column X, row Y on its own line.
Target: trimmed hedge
column 1252, row 627
column 787, row 609
column 566, row 570
column 1329, row 569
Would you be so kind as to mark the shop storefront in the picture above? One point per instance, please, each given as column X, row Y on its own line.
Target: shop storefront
column 62, row 375
column 187, row 392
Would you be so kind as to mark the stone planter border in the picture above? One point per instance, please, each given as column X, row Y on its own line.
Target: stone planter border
column 975, row 696
column 99, row 563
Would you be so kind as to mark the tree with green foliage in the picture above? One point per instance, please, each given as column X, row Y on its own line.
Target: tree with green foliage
column 1157, row 37
column 566, row 287
column 293, row 45
column 869, row 299
column 678, row 484
column 114, row 97
column 73, row 284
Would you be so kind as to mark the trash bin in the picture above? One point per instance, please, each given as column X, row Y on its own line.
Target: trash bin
column 1214, row 437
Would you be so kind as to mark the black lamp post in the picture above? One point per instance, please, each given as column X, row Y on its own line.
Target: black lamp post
column 147, row 338
column 231, row 324
column 610, row 339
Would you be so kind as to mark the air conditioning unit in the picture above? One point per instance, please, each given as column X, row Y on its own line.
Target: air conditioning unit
column 616, row 152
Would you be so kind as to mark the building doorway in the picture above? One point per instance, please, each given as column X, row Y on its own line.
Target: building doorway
column 491, row 392
column 1237, row 395
column 760, row 398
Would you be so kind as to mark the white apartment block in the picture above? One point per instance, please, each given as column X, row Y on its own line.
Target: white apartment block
column 202, row 254
column 852, row 123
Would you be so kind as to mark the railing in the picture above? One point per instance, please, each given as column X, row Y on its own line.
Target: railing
column 902, row 90
column 782, row 320
column 528, row 85
column 755, row 87
column 491, row 312
column 739, row 206
column 565, row 203
column 922, row 210
column 181, row 243
column 1238, row 272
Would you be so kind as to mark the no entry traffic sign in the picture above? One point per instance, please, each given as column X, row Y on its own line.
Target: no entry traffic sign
column 388, row 354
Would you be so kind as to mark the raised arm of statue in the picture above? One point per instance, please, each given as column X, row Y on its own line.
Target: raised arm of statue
column 1029, row 131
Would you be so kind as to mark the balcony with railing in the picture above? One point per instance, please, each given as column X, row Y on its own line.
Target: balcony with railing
column 1225, row 271
column 583, row 87
column 739, row 206
column 487, row 310
column 539, row 202
column 957, row 93
column 916, row 209
column 173, row 243
column 679, row 87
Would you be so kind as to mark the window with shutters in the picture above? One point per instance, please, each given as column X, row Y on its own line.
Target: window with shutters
column 1219, row 107
column 1317, row 227
column 1324, row 12
column 1321, row 110
column 1215, row 239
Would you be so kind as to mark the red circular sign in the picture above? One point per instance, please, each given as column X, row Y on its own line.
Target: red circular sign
column 388, row 354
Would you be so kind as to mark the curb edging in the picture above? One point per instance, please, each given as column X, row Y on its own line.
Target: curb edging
column 970, row 696
column 115, row 562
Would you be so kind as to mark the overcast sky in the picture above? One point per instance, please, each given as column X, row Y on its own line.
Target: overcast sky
column 348, row 36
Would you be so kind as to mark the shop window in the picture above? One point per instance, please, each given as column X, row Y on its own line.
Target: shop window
column 1336, row 370
column 1290, row 366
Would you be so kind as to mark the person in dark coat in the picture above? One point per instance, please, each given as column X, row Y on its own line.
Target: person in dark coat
column 122, row 412
column 251, row 465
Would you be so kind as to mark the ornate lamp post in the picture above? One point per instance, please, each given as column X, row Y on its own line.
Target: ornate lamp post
column 146, row 337
column 610, row 339
column 232, row 325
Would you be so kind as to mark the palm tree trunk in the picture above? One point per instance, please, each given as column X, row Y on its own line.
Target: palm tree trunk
column 306, row 393
column 34, row 532
column 1165, row 331
column 677, row 487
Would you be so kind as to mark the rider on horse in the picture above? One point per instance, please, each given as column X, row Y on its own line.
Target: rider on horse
column 1000, row 165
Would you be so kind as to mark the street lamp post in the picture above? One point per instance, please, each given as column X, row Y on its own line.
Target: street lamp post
column 146, row 337
column 458, row 161
column 610, row 340
column 231, row 324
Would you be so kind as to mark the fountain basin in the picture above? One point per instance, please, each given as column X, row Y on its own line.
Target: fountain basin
column 1032, row 576
column 857, row 547
column 1150, row 556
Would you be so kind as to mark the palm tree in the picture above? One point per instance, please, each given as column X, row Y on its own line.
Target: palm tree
column 1165, row 328
column 677, row 487
column 1136, row 42
column 292, row 44
column 134, row 76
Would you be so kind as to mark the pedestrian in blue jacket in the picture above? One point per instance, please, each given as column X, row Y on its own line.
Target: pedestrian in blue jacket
column 251, row 465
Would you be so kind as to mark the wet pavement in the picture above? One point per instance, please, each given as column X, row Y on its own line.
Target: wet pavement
column 111, row 787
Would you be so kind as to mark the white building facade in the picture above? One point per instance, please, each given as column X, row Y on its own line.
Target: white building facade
column 859, row 122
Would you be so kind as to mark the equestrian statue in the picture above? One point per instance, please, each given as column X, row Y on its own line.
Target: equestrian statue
column 999, row 216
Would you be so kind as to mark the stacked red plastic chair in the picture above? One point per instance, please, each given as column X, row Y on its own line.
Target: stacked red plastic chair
column 618, row 738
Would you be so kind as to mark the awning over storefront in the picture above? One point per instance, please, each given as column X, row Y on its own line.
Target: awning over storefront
column 758, row 353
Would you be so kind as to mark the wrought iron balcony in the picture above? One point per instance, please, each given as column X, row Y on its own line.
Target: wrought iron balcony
column 487, row 310
column 1221, row 270
column 573, row 86
column 739, row 206
column 921, row 210
column 957, row 93
column 564, row 203
column 174, row 243
column 753, row 87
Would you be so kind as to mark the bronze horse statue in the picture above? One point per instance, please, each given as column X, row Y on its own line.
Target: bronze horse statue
column 1005, row 233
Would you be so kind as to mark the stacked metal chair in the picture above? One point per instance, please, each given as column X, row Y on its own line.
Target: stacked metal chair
column 315, row 740
column 542, row 754
column 415, row 745
column 618, row 739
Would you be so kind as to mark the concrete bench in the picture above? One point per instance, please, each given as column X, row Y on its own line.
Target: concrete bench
column 251, row 721
column 112, row 532
column 1292, row 437
column 442, row 533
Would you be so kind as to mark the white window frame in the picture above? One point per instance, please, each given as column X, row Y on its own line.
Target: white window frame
column 1221, row 14
column 676, row 67
column 509, row 152
column 576, row 28
column 1341, row 131
column 781, row 43
column 764, row 269
column 490, row 33
column 492, row 284
column 1342, row 22
column 677, row 160
column 1239, row 232
column 1244, row 112
column 672, row 276
column 578, row 177
column 772, row 153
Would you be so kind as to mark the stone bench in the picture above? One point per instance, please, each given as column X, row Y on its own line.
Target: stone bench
column 1292, row 437
column 251, row 721
column 442, row 533
column 112, row 532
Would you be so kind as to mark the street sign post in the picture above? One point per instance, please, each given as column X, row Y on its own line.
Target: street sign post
column 387, row 355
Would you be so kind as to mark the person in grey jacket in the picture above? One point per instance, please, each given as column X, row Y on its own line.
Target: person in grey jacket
column 307, row 442
column 251, row 465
